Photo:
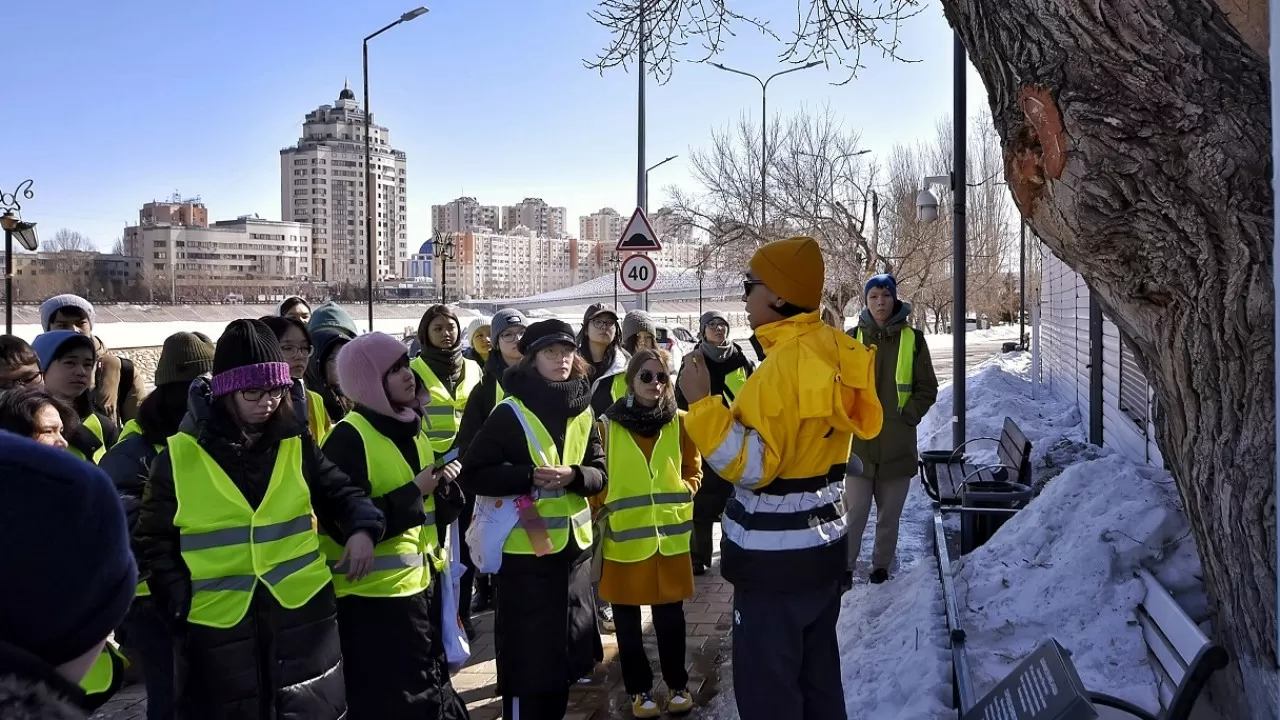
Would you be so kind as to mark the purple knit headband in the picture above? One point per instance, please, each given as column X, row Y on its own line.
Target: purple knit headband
column 262, row 376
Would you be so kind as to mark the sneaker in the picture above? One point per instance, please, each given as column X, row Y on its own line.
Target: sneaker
column 679, row 703
column 878, row 576
column 604, row 614
column 643, row 706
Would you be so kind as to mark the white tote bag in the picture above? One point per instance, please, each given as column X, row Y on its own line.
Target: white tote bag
column 456, row 647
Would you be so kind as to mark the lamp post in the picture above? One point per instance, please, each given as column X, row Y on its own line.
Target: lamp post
column 26, row 234
column 615, row 258
column 701, row 273
column 443, row 251
column 648, row 170
column 764, row 127
column 370, row 204
column 927, row 211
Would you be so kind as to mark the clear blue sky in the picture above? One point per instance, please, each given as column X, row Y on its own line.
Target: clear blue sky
column 122, row 103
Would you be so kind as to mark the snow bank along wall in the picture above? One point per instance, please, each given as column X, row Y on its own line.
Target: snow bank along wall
column 1127, row 410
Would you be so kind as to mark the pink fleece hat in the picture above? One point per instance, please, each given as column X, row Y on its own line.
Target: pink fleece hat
column 362, row 365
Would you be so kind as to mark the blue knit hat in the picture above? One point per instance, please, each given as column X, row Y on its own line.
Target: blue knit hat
column 49, row 346
column 883, row 280
column 66, row 552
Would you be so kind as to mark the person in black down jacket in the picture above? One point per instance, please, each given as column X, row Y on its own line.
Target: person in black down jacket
column 392, row 649
column 185, row 357
column 545, row 627
column 729, row 367
column 505, row 330
column 231, row 552
column 322, row 371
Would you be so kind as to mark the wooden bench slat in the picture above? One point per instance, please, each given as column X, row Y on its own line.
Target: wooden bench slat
column 1182, row 632
column 1168, row 666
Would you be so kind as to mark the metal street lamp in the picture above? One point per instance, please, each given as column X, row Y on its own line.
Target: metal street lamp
column 701, row 273
column 646, row 179
column 443, row 251
column 764, row 127
column 370, row 205
column 26, row 234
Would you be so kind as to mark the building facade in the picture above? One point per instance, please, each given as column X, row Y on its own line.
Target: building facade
column 248, row 256
column 465, row 213
column 96, row 276
column 322, row 185
column 603, row 226
column 543, row 220
column 493, row 265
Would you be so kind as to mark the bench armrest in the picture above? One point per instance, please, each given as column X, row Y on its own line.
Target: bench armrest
column 971, row 440
column 1112, row 701
column 1209, row 660
column 983, row 468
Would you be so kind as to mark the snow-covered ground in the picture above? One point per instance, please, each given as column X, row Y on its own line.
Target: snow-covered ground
column 1061, row 568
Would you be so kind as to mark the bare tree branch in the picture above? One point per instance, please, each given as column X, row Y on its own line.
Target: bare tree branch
column 68, row 241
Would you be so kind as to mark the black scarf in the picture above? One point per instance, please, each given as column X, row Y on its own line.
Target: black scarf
column 445, row 364
column 552, row 402
column 643, row 421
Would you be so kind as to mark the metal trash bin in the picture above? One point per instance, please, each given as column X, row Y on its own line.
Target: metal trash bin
column 929, row 461
column 975, row 527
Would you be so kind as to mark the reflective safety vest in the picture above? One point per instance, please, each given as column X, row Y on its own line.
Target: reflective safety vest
column 560, row 510
column 317, row 416
column 130, row 429
column 619, row 388
column 399, row 563
column 229, row 547
column 648, row 509
column 904, row 375
column 733, row 383
column 95, row 426
column 444, row 414
column 101, row 677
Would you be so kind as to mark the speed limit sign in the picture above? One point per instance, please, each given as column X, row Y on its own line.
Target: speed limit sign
column 638, row 273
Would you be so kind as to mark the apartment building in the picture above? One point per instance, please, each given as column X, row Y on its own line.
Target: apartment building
column 534, row 213
column 493, row 265
column 465, row 213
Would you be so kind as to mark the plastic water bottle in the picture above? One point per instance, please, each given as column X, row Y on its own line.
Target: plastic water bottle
column 533, row 524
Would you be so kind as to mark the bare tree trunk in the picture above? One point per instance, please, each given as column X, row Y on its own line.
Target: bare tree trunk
column 1137, row 141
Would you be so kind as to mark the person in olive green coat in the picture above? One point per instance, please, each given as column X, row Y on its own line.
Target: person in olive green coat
column 888, row 460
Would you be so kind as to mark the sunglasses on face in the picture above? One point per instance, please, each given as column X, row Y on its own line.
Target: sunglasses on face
column 257, row 394
column 648, row 376
column 747, row 284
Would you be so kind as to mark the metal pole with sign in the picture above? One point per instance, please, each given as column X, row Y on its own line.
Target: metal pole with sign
column 638, row 237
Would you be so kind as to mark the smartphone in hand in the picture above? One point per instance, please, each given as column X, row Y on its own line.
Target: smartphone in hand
column 446, row 458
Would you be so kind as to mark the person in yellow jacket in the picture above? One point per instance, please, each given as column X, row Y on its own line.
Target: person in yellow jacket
column 393, row 659
column 228, row 549
column 540, row 449
column 784, row 444
column 295, row 344
column 645, row 524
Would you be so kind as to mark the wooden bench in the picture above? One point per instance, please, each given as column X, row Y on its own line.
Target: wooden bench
column 1014, row 452
column 1184, row 659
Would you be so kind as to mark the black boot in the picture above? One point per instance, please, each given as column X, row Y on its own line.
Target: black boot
column 700, row 546
column 484, row 594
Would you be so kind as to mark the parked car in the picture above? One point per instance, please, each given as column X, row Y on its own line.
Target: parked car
column 677, row 341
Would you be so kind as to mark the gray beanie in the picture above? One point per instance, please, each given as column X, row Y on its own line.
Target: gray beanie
column 50, row 307
column 706, row 319
column 504, row 320
column 636, row 321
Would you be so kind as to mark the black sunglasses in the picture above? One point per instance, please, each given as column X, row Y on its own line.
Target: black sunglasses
column 648, row 376
column 747, row 284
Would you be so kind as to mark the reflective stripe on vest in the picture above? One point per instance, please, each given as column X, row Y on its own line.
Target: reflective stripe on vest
column 229, row 547
column 560, row 510
column 94, row 423
column 904, row 374
column 102, row 673
column 399, row 563
column 444, row 412
column 648, row 509
column 733, row 383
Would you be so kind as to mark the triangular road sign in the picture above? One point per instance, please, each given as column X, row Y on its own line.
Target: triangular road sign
column 639, row 235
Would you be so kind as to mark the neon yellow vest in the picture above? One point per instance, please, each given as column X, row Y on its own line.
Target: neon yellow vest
column 95, row 426
column 399, row 563
column 317, row 416
column 101, row 677
column 619, row 388
column 559, row 509
column 647, row 509
column 733, row 383
column 444, row 414
column 130, row 429
column 229, row 547
column 904, row 375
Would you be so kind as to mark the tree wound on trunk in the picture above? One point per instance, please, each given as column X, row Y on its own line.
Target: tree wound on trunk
column 1037, row 150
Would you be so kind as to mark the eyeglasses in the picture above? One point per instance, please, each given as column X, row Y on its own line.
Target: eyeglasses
column 558, row 351
column 603, row 323
column 296, row 351
column 717, row 325
column 747, row 284
column 511, row 335
column 648, row 376
column 256, row 394
column 21, row 382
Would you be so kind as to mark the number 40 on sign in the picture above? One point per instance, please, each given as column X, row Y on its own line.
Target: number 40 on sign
column 638, row 273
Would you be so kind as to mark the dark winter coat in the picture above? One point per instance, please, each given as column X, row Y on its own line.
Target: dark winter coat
column 83, row 439
column 325, row 342
column 481, row 401
column 275, row 663
column 602, row 375
column 393, row 656
column 892, row 454
column 31, row 689
column 545, row 626
column 128, row 464
column 714, row 492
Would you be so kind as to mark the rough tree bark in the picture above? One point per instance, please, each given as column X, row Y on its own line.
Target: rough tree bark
column 1137, row 138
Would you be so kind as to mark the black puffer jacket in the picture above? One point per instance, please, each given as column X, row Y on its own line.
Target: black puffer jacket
column 275, row 663
column 481, row 401
column 128, row 464
column 324, row 343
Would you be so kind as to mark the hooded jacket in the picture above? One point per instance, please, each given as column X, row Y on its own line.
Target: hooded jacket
column 787, row 435
column 891, row 455
column 31, row 689
column 329, row 315
column 324, row 343
column 275, row 662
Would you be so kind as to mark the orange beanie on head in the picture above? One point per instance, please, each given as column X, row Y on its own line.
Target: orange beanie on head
column 792, row 269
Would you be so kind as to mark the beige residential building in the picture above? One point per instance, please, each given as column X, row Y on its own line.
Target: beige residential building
column 248, row 256
column 465, row 213
column 604, row 226
column 517, row 264
column 322, row 184
column 534, row 213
